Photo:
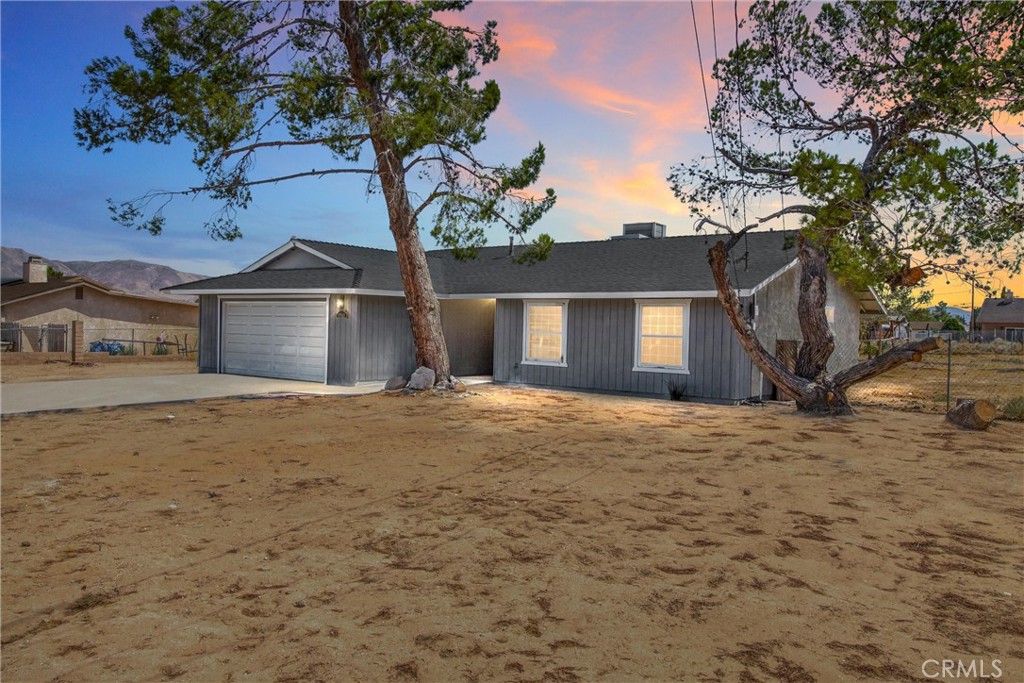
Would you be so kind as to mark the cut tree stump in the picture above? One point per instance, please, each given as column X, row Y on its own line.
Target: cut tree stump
column 972, row 414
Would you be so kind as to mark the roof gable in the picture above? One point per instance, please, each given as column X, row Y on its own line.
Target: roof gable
column 293, row 255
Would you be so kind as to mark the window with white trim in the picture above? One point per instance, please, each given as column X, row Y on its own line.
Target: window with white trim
column 544, row 332
column 662, row 332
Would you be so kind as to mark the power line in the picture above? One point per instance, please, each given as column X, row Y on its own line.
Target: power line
column 739, row 112
column 707, row 106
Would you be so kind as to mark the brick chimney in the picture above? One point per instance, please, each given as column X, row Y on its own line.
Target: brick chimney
column 34, row 270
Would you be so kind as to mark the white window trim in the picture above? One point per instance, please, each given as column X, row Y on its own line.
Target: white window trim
column 564, row 303
column 684, row 369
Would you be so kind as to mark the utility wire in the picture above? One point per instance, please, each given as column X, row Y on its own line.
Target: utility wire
column 707, row 106
column 739, row 129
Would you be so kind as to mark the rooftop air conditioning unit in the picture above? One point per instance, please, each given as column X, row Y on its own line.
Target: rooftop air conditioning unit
column 641, row 231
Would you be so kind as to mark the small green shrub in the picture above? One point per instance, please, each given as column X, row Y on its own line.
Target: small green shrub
column 677, row 391
column 161, row 350
column 126, row 351
column 1014, row 409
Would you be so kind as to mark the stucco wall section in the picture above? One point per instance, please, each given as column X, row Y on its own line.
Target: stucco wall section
column 777, row 316
column 102, row 313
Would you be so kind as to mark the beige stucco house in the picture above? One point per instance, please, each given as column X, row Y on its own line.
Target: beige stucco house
column 36, row 301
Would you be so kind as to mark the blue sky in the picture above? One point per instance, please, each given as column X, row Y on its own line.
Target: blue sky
column 610, row 137
column 613, row 89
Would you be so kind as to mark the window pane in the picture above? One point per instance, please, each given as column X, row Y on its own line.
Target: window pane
column 545, row 318
column 544, row 332
column 544, row 347
column 661, row 351
column 666, row 320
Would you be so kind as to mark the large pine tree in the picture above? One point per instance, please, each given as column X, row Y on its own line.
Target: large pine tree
column 891, row 130
column 390, row 89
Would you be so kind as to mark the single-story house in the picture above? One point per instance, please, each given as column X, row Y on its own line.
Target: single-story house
column 36, row 304
column 1002, row 318
column 922, row 329
column 636, row 314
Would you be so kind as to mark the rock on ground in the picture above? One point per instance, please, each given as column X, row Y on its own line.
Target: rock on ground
column 422, row 379
column 397, row 382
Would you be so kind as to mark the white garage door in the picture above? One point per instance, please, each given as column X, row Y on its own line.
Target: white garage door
column 286, row 339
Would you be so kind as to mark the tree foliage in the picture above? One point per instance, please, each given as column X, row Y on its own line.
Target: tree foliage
column 248, row 80
column 890, row 129
column 949, row 321
column 903, row 303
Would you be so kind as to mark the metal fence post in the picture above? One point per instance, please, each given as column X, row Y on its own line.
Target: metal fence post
column 949, row 370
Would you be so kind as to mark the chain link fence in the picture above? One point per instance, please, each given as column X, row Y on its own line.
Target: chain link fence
column 970, row 366
column 123, row 341
column 150, row 341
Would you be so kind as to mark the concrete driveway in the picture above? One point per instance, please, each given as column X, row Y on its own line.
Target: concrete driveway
column 30, row 397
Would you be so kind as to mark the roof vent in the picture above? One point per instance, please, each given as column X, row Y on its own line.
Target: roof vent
column 641, row 231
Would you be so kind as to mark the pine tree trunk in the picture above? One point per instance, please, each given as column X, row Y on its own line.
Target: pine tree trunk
column 810, row 386
column 420, row 298
column 894, row 357
column 818, row 342
column 825, row 397
column 810, row 396
column 975, row 414
column 821, row 396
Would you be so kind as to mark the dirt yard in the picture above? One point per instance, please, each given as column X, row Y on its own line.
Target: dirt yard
column 998, row 378
column 512, row 534
column 53, row 370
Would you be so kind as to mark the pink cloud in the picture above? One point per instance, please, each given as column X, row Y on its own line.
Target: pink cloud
column 604, row 194
column 632, row 59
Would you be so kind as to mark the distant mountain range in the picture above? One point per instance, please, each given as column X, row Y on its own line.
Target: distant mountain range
column 134, row 277
column 964, row 315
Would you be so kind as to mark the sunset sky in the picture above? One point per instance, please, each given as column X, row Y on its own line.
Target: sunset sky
column 613, row 90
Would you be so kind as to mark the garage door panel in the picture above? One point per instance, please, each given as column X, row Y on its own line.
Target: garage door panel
column 285, row 339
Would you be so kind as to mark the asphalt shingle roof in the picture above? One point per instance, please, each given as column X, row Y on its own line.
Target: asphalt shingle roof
column 997, row 311
column 19, row 289
column 632, row 265
column 667, row 264
column 304, row 278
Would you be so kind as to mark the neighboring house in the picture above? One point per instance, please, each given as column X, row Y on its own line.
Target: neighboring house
column 1002, row 318
column 922, row 329
column 622, row 315
column 36, row 302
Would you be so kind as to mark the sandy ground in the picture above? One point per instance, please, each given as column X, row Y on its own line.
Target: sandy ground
column 998, row 378
column 512, row 534
column 62, row 370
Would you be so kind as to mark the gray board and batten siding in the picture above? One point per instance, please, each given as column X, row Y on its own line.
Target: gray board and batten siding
column 384, row 347
column 209, row 331
column 374, row 341
column 482, row 310
column 600, row 352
